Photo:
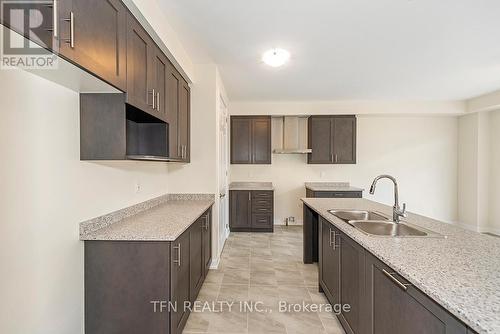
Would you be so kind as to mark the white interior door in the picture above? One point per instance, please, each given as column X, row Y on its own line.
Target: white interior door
column 224, row 175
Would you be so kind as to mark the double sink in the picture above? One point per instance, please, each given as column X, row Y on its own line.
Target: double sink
column 375, row 223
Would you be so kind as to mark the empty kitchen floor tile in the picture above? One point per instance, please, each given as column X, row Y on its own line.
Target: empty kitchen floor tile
column 266, row 268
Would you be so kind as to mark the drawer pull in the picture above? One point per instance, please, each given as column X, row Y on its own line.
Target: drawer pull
column 178, row 261
column 403, row 286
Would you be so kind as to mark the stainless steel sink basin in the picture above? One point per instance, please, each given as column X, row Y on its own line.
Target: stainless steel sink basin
column 348, row 215
column 374, row 223
column 387, row 228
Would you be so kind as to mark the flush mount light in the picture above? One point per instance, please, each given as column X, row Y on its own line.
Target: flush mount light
column 275, row 57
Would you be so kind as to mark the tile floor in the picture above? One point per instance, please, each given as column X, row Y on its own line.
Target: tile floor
column 265, row 268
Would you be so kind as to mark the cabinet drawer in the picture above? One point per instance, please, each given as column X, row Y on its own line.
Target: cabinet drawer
column 262, row 210
column 262, row 221
column 262, row 203
column 337, row 194
column 262, row 194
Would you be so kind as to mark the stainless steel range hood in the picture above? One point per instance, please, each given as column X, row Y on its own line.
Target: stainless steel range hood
column 290, row 135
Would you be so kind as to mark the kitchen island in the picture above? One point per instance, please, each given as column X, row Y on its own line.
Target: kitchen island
column 454, row 278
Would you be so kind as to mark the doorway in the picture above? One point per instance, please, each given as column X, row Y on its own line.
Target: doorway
column 223, row 174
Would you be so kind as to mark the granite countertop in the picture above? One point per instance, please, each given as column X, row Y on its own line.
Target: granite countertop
column 251, row 186
column 331, row 186
column 161, row 219
column 461, row 272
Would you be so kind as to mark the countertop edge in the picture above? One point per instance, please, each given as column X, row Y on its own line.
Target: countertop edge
column 89, row 229
column 168, row 238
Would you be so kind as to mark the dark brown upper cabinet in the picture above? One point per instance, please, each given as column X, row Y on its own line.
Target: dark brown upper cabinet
column 177, row 113
column 250, row 139
column 173, row 84
column 332, row 139
column 183, row 122
column 103, row 38
column 140, row 50
column 89, row 33
column 93, row 34
column 161, row 71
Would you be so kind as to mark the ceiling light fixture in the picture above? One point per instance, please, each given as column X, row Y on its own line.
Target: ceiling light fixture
column 275, row 57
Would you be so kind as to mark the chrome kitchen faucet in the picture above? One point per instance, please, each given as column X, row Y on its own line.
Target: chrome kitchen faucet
column 397, row 213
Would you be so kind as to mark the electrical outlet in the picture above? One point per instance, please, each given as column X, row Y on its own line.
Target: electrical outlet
column 137, row 187
column 291, row 219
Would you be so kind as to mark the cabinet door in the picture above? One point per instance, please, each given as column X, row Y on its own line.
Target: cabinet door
column 196, row 265
column 344, row 140
column 183, row 122
column 180, row 283
column 99, row 38
column 352, row 271
column 319, row 137
column 240, row 209
column 160, row 75
column 173, row 85
column 139, row 68
column 241, row 140
column 329, row 261
column 261, row 140
column 207, row 241
column 400, row 308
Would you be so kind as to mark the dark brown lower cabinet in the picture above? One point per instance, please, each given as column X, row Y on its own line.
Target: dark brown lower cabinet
column 196, row 261
column 333, row 194
column 181, row 280
column 251, row 210
column 380, row 300
column 207, row 242
column 125, row 282
column 399, row 307
column 352, row 279
column 329, row 258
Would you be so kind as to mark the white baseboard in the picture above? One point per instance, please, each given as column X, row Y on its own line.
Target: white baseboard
column 492, row 230
column 214, row 265
column 465, row 226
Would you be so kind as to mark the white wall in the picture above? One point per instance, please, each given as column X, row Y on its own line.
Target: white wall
column 46, row 192
column 421, row 152
column 468, row 142
column 493, row 224
column 348, row 107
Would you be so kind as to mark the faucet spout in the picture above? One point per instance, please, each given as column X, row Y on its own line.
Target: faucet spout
column 397, row 212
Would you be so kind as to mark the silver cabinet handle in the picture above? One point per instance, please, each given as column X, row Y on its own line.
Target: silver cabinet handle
column 336, row 158
column 54, row 18
column 71, row 39
column 178, row 261
column 332, row 242
column 249, row 199
column 158, row 102
column 154, row 99
column 403, row 286
column 331, row 157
